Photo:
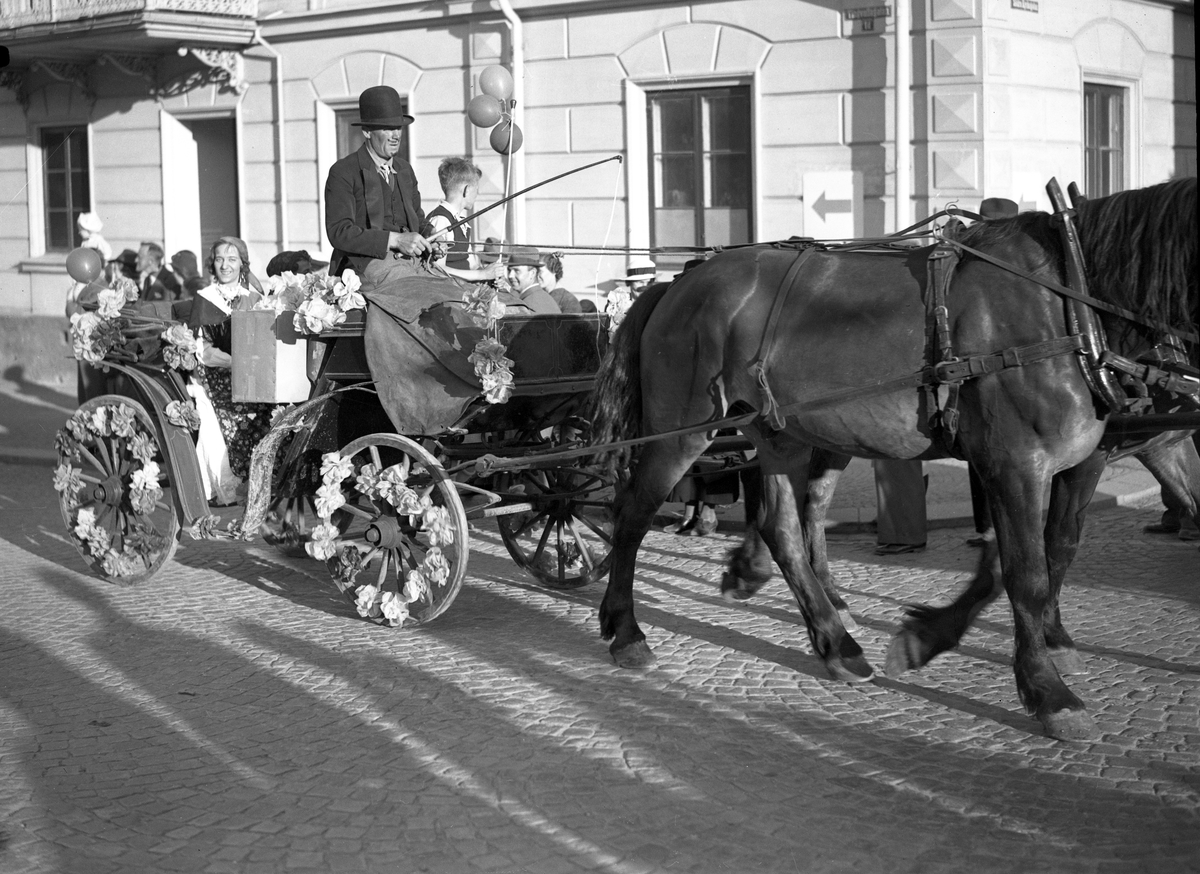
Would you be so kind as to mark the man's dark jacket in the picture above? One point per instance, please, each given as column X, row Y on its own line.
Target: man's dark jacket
column 355, row 209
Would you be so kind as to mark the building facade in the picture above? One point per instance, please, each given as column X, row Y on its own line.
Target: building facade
column 737, row 120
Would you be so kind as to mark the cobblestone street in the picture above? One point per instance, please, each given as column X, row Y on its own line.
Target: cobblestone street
column 235, row 715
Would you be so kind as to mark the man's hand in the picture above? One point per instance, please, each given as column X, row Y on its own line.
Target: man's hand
column 494, row 271
column 410, row 244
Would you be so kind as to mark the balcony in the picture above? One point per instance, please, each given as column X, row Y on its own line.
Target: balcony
column 79, row 31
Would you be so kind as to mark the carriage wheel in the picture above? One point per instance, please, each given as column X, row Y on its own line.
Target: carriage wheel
column 113, row 490
column 565, row 540
column 290, row 521
column 400, row 551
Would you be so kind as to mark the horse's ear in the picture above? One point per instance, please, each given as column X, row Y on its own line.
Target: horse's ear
column 1077, row 197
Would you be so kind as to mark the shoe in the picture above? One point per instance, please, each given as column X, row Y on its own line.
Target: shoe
column 702, row 528
column 978, row 542
column 899, row 548
column 682, row 527
column 1161, row 528
column 1189, row 533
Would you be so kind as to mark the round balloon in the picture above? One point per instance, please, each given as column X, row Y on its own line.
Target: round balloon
column 506, row 138
column 497, row 82
column 484, row 110
column 84, row 265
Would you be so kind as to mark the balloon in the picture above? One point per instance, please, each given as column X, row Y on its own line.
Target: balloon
column 497, row 82
column 501, row 140
column 85, row 265
column 484, row 110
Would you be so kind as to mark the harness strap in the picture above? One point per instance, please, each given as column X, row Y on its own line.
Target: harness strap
column 1058, row 288
column 758, row 367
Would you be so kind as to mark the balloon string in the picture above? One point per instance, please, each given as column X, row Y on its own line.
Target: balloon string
column 611, row 217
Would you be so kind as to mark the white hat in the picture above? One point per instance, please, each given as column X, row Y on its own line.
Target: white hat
column 639, row 269
column 90, row 222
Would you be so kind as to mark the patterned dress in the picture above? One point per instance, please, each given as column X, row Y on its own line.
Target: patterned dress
column 242, row 425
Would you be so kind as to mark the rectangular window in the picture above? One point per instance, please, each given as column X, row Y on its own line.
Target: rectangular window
column 700, row 173
column 349, row 136
column 1103, row 139
column 67, row 186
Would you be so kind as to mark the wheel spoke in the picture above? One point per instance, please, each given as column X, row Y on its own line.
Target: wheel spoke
column 96, row 463
column 542, row 542
column 584, row 552
column 600, row 532
column 383, row 566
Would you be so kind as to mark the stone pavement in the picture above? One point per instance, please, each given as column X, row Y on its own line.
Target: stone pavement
column 234, row 715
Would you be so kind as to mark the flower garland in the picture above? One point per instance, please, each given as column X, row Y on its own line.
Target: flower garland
column 616, row 306
column 320, row 301
column 345, row 560
column 128, row 557
column 483, row 304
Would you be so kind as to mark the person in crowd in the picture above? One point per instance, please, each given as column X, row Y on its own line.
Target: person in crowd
column 229, row 431
column 640, row 271
column 900, row 506
column 459, row 179
column 124, row 264
column 298, row 262
column 155, row 282
column 90, row 226
column 187, row 271
column 373, row 210
column 549, row 276
column 524, row 264
column 1175, row 518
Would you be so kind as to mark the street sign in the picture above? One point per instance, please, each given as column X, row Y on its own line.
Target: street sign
column 833, row 204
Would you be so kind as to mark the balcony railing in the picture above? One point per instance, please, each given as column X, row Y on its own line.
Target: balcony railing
column 22, row 13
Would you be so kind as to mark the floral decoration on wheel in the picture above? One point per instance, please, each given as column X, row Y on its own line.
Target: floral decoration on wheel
column 385, row 540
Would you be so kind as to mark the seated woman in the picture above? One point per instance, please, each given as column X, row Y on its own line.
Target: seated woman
column 229, row 431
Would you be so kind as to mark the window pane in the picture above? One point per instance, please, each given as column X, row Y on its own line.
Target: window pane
column 726, row 227
column 56, row 191
column 730, row 184
column 729, row 123
column 674, row 227
column 678, row 175
column 1104, row 139
column 58, row 231
column 54, row 149
column 676, row 125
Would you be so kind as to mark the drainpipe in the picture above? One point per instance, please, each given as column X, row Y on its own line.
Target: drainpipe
column 280, row 139
column 903, row 114
column 516, row 167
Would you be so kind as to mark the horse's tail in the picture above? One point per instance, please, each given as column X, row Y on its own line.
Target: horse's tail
column 616, row 403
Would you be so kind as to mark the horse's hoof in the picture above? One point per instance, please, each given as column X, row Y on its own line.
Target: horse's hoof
column 848, row 622
column 635, row 655
column 854, row 669
column 1068, row 661
column 1070, row 725
column 905, row 653
column 732, row 589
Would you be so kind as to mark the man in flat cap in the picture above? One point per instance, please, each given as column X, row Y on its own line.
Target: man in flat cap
column 523, row 265
column 373, row 210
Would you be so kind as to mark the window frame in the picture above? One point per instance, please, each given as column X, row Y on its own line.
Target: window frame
column 39, row 205
column 1131, row 133
column 702, row 151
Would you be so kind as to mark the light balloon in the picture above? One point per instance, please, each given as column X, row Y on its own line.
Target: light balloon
column 84, row 265
column 484, row 110
column 497, row 82
column 506, row 138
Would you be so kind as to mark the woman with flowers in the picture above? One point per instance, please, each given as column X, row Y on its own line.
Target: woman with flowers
column 229, row 431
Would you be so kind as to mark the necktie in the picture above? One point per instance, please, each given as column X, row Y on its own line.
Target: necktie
column 385, row 170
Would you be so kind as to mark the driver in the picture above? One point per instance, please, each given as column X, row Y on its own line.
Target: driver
column 372, row 205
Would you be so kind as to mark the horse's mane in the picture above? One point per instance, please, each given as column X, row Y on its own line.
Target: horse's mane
column 1139, row 248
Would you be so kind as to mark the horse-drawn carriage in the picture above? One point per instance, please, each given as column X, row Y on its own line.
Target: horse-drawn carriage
column 386, row 509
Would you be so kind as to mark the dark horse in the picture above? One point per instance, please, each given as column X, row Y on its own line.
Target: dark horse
column 831, row 358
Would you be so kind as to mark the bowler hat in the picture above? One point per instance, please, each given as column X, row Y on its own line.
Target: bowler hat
column 525, row 256
column 381, row 106
column 299, row 262
column 998, row 207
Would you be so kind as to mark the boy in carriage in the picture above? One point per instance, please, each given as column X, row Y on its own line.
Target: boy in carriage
column 459, row 179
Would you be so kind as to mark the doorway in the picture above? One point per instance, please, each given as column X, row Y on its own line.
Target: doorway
column 200, row 182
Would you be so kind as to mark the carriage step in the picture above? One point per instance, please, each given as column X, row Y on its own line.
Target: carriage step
column 500, row 510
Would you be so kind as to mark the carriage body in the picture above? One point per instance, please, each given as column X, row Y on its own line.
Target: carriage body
column 410, row 527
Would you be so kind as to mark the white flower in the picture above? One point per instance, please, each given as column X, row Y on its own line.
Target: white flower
column 146, row 476
column 366, row 603
column 438, row 524
column 122, row 422
column 323, row 544
column 394, row 609
column 329, row 498
column 416, row 587
column 99, row 422
column 111, row 300
column 367, row 481
column 334, row 468
column 142, row 447
column 435, row 567
column 315, row 315
column 85, row 523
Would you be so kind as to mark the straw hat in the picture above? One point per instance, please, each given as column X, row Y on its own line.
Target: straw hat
column 640, row 269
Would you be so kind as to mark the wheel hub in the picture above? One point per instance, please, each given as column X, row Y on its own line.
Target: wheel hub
column 385, row 533
column 108, row 492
